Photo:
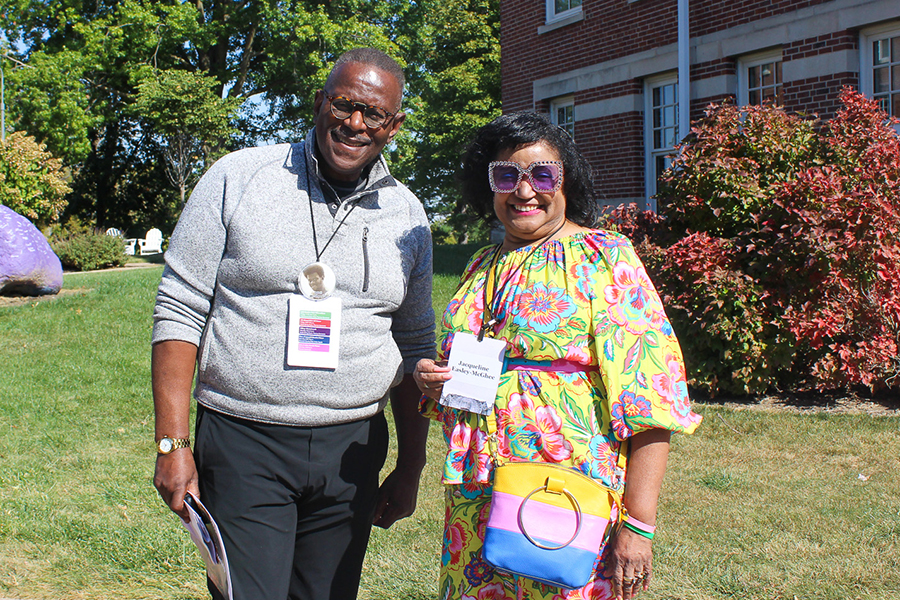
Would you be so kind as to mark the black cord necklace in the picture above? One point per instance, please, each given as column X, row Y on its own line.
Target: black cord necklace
column 312, row 219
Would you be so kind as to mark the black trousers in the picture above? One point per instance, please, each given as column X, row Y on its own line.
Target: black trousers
column 294, row 504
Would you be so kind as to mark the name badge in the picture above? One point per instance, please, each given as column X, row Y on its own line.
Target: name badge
column 314, row 328
column 476, row 368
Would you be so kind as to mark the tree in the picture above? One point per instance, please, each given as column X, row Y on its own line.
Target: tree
column 90, row 58
column 455, row 89
column 191, row 120
column 31, row 180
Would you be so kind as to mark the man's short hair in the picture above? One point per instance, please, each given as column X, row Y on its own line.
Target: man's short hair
column 374, row 58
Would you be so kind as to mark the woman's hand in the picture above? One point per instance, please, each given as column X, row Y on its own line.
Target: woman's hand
column 630, row 564
column 430, row 376
column 630, row 561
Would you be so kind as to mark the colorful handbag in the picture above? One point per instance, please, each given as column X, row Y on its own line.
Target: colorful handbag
column 548, row 522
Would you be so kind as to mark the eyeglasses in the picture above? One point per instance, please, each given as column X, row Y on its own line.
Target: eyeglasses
column 373, row 116
column 544, row 176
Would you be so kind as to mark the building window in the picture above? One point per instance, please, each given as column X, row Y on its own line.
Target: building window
column 660, row 131
column 560, row 9
column 562, row 113
column 880, row 74
column 760, row 79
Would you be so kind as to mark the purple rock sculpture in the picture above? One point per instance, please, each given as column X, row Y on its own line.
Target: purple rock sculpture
column 28, row 266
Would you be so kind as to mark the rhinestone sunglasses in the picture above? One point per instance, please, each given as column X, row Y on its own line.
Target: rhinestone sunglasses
column 374, row 117
column 545, row 176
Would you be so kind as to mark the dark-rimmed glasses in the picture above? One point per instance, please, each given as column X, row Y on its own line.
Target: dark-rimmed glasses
column 374, row 117
column 545, row 176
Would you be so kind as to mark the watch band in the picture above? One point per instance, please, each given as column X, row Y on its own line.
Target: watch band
column 167, row 445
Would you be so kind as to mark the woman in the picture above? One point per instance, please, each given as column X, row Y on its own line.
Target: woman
column 579, row 297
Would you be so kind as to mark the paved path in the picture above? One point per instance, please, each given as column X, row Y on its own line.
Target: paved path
column 128, row 267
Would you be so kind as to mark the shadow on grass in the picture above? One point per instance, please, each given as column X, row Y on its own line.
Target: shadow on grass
column 154, row 259
column 452, row 259
column 857, row 397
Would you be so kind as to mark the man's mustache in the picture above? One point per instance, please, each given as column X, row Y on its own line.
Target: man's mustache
column 341, row 135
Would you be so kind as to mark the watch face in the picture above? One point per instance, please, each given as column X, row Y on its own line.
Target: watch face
column 165, row 445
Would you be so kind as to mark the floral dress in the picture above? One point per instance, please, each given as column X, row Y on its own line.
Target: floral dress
column 585, row 302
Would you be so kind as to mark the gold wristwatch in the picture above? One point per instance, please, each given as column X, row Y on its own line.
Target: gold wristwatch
column 168, row 445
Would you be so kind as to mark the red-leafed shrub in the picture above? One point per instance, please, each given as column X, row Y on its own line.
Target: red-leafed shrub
column 778, row 256
column 732, row 339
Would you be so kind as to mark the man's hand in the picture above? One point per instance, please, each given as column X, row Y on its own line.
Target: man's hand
column 398, row 492
column 172, row 368
column 176, row 474
column 397, row 496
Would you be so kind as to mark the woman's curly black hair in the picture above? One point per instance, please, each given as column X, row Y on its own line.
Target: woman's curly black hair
column 517, row 130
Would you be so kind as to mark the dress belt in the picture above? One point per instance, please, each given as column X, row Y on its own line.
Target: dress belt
column 560, row 365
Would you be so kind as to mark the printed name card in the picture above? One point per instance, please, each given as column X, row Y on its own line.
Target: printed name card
column 476, row 368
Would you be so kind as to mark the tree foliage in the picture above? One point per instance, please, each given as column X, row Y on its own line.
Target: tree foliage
column 81, row 93
column 87, row 60
column 779, row 253
column 31, row 180
column 192, row 122
column 455, row 45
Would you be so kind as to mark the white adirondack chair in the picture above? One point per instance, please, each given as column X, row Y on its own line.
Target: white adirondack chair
column 152, row 244
column 130, row 243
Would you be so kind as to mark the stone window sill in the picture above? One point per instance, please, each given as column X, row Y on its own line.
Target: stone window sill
column 574, row 18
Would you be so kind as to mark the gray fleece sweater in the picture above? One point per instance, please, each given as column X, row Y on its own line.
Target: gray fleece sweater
column 232, row 264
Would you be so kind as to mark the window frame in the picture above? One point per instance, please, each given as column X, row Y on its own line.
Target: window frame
column 745, row 63
column 552, row 16
column 563, row 102
column 866, row 58
column 651, row 153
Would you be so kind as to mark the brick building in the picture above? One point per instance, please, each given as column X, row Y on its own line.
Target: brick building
column 609, row 70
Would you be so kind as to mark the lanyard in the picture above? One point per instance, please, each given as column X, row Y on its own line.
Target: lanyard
column 489, row 318
column 312, row 219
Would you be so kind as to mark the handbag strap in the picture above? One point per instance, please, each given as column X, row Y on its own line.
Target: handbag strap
column 491, row 423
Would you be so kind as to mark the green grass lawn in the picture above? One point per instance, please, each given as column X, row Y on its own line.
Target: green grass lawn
column 756, row 505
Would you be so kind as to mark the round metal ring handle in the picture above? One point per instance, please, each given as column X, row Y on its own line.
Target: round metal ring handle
column 575, row 505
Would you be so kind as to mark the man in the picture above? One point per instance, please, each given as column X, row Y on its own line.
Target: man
column 289, row 445
column 315, row 276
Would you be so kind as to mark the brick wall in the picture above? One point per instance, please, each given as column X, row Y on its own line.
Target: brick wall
column 823, row 44
column 610, row 29
column 818, row 95
column 708, row 16
column 615, row 147
column 613, row 29
column 714, row 68
column 623, row 88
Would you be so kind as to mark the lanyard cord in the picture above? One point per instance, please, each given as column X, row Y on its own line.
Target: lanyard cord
column 312, row 218
column 491, row 297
